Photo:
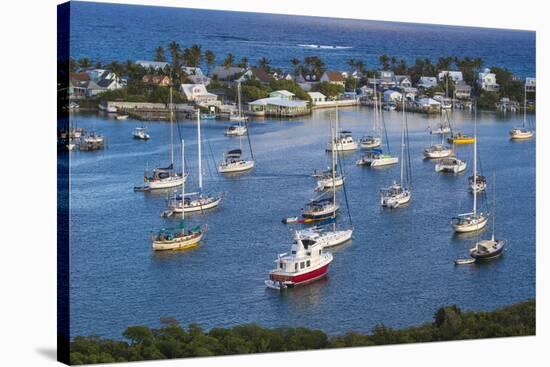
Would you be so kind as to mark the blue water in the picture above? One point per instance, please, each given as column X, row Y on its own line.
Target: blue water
column 109, row 32
column 397, row 270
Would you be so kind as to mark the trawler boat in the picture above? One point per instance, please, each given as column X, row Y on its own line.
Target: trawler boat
column 394, row 196
column 233, row 162
column 450, row 165
column 522, row 133
column 473, row 221
column 344, row 142
column 178, row 238
column 235, row 130
column 93, row 138
column 307, row 262
column 399, row 194
column 196, row 201
column 460, row 138
column 140, row 133
column 320, row 208
column 437, row 151
column 377, row 158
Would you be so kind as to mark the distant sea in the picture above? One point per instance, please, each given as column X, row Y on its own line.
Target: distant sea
column 108, row 32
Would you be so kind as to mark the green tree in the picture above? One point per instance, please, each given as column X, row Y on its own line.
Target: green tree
column 159, row 54
column 243, row 63
column 210, row 59
column 384, row 61
column 229, row 60
column 84, row 63
column 328, row 89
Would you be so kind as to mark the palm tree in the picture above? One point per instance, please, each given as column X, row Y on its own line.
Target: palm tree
column 229, row 60
column 84, row 63
column 352, row 64
column 159, row 54
column 210, row 59
column 297, row 67
column 384, row 61
column 175, row 50
column 263, row 63
column 243, row 63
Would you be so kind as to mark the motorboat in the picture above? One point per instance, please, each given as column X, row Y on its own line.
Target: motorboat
column 325, row 238
column 235, row 130
column 140, row 133
column 343, row 142
column 479, row 185
column 306, row 263
column 370, row 142
column 461, row 138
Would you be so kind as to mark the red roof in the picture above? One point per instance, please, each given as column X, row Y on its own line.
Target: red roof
column 335, row 76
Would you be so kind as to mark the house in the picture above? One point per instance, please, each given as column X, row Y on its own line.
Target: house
column 317, row 97
column 275, row 106
column 226, row 72
column 307, row 78
column 426, row 103
column 258, row 74
column 488, row 81
column 463, row 90
column 427, row 82
column 197, row 93
column 366, row 91
column 333, row 77
column 403, row 81
column 455, row 76
column 78, row 83
column 160, row 80
column 157, row 65
column 196, row 75
column 384, row 80
column 283, row 94
column 392, row 96
column 530, row 85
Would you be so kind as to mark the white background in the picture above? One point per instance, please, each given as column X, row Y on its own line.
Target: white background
column 28, row 181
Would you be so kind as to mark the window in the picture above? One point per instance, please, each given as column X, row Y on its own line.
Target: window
column 293, row 252
column 308, row 263
column 295, row 266
column 302, row 265
column 281, row 265
column 319, row 252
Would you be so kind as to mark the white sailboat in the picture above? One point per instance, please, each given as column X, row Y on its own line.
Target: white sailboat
column 374, row 140
column 164, row 177
column 440, row 150
column 178, row 238
column 399, row 194
column 233, row 161
column 195, row 201
column 469, row 222
column 523, row 132
column 342, row 141
column 331, row 178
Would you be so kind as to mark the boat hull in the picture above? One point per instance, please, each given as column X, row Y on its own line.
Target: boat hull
column 495, row 251
column 165, row 183
column 198, row 207
column 183, row 243
column 471, row 227
column 395, row 201
column 521, row 135
column 285, row 280
column 236, row 167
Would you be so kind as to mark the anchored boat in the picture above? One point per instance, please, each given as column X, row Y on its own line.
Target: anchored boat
column 343, row 142
column 306, row 263
column 374, row 140
column 140, row 133
column 523, row 132
column 450, row 165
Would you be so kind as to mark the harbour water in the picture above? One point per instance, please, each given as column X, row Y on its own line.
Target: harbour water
column 397, row 270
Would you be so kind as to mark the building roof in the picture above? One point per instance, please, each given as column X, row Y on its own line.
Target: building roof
column 334, row 76
column 81, row 77
column 316, row 95
column 276, row 101
column 262, row 75
column 284, row 93
column 191, row 90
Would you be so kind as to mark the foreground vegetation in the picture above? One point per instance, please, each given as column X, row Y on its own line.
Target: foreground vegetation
column 173, row 341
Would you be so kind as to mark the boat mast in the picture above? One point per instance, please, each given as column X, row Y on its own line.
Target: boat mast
column 524, row 105
column 199, row 148
column 239, row 101
column 172, row 131
column 475, row 160
column 333, row 177
column 375, row 106
column 494, row 205
column 402, row 138
column 183, row 183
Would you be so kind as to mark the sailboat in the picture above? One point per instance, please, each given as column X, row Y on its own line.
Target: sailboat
column 375, row 157
column 469, row 222
column 164, row 177
column 493, row 248
column 522, row 133
column 330, row 178
column 400, row 193
column 440, row 150
column 195, row 201
column 374, row 140
column 178, row 238
column 239, row 117
column 321, row 233
column 343, row 141
column 306, row 263
column 233, row 160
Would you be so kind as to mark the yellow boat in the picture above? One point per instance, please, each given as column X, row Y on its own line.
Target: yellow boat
column 460, row 138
